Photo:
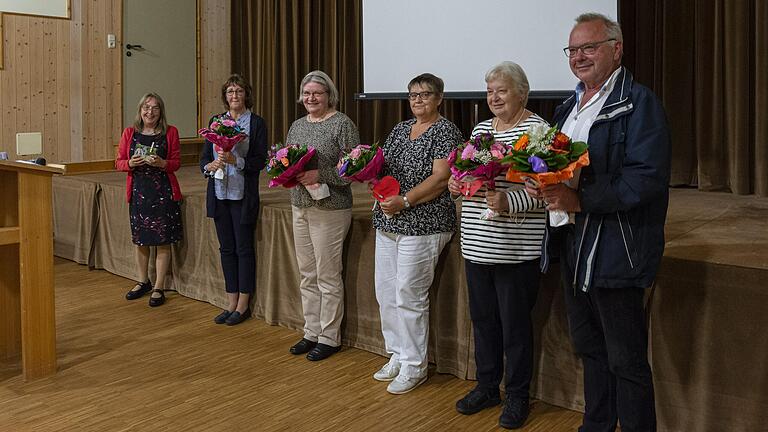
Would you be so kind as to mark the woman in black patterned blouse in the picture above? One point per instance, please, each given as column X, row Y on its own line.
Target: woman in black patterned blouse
column 411, row 230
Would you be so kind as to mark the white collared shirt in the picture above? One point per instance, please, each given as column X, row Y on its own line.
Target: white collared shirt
column 579, row 121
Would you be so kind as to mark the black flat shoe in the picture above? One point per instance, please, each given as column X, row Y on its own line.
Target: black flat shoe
column 156, row 301
column 477, row 400
column 322, row 352
column 236, row 317
column 304, row 346
column 139, row 290
column 222, row 317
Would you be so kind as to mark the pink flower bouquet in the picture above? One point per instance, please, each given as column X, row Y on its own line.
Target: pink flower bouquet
column 286, row 162
column 477, row 163
column 224, row 133
column 362, row 164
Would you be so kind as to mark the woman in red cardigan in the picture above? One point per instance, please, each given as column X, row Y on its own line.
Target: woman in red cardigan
column 149, row 153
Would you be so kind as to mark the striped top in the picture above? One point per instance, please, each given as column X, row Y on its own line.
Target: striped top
column 509, row 238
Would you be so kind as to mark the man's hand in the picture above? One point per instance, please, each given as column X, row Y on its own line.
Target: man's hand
column 560, row 197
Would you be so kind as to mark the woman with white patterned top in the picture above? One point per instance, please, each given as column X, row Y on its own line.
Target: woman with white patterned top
column 501, row 260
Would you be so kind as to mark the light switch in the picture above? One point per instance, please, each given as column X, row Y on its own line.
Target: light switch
column 30, row 143
column 110, row 41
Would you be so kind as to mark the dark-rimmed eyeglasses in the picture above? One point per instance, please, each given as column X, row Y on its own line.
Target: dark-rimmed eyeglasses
column 423, row 95
column 587, row 49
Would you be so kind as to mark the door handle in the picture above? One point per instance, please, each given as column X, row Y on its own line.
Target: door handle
column 130, row 47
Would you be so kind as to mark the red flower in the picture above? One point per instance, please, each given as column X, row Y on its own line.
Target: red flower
column 561, row 142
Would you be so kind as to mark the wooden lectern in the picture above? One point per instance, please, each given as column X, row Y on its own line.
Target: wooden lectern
column 27, row 319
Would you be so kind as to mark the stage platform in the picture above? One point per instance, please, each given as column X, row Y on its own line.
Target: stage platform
column 707, row 311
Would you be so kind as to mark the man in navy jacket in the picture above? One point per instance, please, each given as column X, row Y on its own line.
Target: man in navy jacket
column 611, row 252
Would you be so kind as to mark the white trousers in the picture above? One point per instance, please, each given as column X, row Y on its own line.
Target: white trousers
column 318, row 236
column 405, row 268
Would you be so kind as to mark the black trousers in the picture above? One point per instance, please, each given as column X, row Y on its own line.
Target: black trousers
column 238, row 258
column 501, row 297
column 609, row 333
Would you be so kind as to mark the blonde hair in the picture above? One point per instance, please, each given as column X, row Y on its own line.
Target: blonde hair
column 162, row 123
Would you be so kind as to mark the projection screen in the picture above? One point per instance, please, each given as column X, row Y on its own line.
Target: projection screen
column 460, row 40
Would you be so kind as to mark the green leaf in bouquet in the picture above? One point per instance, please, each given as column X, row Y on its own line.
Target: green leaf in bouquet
column 577, row 149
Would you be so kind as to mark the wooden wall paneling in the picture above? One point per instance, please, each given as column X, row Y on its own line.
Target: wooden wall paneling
column 98, row 42
column 87, row 76
column 216, row 56
column 36, row 78
column 114, row 91
column 8, row 94
column 50, row 116
column 21, row 73
column 75, row 84
column 62, row 50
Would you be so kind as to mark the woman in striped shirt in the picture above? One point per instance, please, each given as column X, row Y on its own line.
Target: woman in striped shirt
column 501, row 260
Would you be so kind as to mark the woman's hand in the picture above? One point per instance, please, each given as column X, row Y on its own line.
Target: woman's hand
column 454, row 186
column 214, row 165
column 136, row 160
column 308, row 177
column 227, row 157
column 392, row 205
column 156, row 161
column 497, row 201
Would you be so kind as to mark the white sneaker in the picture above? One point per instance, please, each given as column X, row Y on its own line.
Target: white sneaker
column 402, row 384
column 388, row 372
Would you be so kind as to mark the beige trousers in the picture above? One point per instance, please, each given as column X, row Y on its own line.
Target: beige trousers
column 318, row 236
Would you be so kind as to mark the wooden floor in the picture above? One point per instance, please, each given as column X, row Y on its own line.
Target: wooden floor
column 126, row 367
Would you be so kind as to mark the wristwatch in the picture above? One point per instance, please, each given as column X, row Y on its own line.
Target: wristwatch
column 406, row 203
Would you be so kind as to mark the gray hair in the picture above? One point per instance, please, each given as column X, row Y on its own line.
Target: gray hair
column 511, row 73
column 612, row 28
column 324, row 80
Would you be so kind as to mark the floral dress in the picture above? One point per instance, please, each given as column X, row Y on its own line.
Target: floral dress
column 155, row 216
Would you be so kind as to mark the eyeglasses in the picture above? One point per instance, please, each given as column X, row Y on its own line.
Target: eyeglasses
column 234, row 92
column 317, row 94
column 148, row 108
column 423, row 95
column 586, row 49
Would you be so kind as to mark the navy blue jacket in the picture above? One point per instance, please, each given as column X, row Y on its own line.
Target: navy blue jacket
column 255, row 161
column 624, row 192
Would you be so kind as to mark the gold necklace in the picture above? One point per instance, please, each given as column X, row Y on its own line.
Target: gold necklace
column 519, row 118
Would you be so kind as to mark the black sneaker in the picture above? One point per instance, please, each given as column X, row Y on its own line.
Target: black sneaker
column 514, row 414
column 477, row 400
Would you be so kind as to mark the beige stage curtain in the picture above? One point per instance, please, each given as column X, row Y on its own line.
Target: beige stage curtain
column 706, row 59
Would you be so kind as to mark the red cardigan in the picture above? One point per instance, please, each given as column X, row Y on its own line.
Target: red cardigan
column 173, row 160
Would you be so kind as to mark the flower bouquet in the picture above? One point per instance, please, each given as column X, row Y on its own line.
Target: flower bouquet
column 224, row 133
column 543, row 156
column 477, row 162
column 363, row 164
column 286, row 162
